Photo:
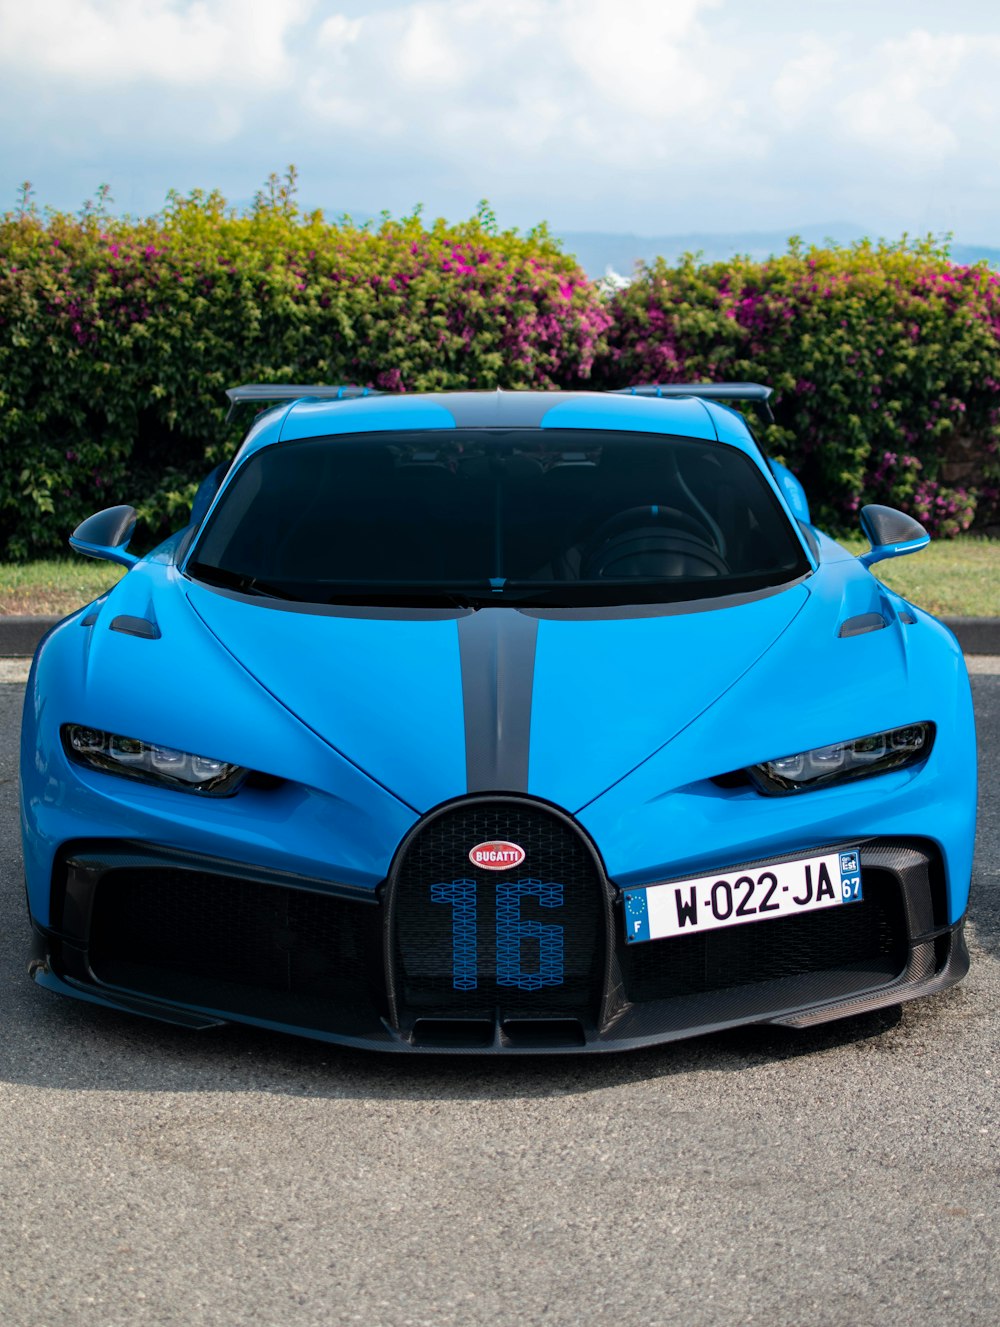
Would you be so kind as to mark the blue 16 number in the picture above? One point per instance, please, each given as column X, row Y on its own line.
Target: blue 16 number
column 512, row 931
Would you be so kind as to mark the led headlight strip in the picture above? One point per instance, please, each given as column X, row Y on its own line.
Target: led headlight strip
column 842, row 761
column 163, row 765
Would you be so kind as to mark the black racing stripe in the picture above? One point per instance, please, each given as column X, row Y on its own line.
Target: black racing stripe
column 497, row 651
column 503, row 409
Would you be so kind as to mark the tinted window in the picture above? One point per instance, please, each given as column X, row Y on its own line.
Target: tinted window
column 499, row 515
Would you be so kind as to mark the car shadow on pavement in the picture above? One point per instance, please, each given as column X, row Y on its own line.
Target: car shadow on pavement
column 49, row 1042
column 54, row 1043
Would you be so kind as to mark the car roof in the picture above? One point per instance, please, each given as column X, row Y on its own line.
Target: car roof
column 683, row 416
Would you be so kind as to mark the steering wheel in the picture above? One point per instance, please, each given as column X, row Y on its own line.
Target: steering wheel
column 651, row 541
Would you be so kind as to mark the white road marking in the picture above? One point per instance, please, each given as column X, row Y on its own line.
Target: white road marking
column 14, row 670
column 983, row 663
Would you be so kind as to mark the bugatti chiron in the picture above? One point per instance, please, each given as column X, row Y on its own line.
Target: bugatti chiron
column 499, row 722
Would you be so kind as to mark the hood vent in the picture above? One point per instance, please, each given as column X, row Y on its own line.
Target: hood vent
column 862, row 624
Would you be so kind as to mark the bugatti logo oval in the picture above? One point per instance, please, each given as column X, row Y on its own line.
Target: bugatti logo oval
column 498, row 856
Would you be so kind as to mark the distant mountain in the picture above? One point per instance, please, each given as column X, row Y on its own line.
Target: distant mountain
column 974, row 253
column 598, row 251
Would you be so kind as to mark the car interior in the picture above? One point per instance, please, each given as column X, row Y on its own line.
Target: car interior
column 508, row 507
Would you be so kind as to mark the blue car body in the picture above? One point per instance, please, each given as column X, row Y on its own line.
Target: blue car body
column 621, row 727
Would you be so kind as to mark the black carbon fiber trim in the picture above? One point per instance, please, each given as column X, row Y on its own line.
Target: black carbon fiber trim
column 136, row 626
column 953, row 967
column 862, row 624
column 188, row 940
column 81, row 865
column 497, row 650
column 928, row 973
column 503, row 409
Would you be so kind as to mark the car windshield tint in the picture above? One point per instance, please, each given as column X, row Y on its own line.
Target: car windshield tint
column 498, row 516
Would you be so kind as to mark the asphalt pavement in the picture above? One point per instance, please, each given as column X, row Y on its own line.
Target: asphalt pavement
column 844, row 1176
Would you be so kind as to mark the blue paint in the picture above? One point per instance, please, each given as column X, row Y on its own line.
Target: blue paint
column 360, row 720
column 850, row 876
column 609, row 692
column 514, row 934
column 460, row 895
column 666, row 817
column 385, row 692
column 529, row 954
column 683, row 416
column 792, row 491
column 636, row 916
column 374, row 414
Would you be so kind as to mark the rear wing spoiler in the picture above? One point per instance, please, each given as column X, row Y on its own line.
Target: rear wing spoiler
column 754, row 392
column 264, row 392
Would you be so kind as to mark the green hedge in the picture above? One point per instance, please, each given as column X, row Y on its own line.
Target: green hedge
column 885, row 360
column 119, row 336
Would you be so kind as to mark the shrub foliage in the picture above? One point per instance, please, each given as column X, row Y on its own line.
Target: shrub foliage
column 119, row 336
column 885, row 360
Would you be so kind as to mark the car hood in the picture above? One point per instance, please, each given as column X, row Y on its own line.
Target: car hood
column 561, row 704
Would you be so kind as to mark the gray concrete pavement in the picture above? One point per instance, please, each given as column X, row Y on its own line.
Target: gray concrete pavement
column 845, row 1176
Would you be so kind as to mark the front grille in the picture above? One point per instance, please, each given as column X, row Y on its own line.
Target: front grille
column 526, row 943
column 869, row 936
column 238, row 945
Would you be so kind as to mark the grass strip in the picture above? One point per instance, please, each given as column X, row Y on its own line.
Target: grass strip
column 59, row 585
column 952, row 578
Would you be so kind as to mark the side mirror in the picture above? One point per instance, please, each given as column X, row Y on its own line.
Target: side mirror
column 891, row 534
column 105, row 536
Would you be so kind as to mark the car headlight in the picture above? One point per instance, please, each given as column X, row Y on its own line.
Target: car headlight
column 162, row 765
column 842, row 761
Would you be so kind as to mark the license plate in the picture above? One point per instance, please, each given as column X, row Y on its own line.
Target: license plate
column 754, row 894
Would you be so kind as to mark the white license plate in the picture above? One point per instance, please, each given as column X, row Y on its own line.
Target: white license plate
column 755, row 894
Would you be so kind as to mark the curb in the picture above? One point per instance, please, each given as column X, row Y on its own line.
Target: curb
column 19, row 636
column 976, row 635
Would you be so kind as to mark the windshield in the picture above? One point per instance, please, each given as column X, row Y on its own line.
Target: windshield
column 498, row 516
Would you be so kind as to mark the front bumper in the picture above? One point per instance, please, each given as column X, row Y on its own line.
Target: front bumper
column 199, row 941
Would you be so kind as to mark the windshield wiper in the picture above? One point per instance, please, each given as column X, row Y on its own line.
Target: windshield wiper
column 236, row 580
column 408, row 599
column 404, row 594
column 630, row 590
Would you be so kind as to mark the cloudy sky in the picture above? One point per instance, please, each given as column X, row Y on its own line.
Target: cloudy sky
column 651, row 116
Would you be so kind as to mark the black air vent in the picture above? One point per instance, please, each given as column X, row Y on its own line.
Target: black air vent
column 870, row 936
column 231, row 944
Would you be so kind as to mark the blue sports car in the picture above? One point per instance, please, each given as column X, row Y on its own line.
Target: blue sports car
column 499, row 722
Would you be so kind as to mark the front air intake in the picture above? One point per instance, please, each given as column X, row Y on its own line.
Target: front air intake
column 213, row 941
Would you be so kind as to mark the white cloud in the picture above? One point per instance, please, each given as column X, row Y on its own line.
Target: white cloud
column 338, row 33
column 427, row 55
column 626, row 114
column 895, row 112
column 183, row 43
column 801, row 84
column 638, row 80
column 640, row 57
